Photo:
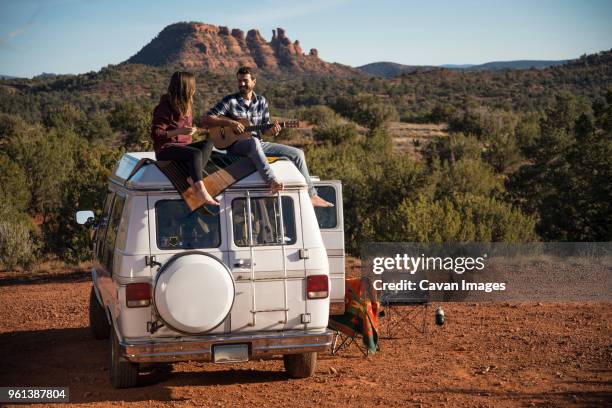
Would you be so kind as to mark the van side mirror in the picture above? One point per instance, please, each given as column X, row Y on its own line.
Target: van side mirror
column 85, row 217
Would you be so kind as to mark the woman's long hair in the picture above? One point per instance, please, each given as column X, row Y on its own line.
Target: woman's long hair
column 181, row 91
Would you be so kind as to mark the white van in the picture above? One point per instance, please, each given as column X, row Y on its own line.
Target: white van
column 256, row 277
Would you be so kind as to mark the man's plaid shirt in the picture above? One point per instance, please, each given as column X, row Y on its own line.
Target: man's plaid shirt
column 234, row 106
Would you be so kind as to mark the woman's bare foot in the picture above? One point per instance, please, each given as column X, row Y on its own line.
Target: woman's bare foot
column 202, row 194
column 276, row 186
column 319, row 202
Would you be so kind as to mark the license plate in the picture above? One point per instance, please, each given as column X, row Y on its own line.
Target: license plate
column 231, row 353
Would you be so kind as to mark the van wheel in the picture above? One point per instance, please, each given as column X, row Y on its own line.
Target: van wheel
column 123, row 373
column 300, row 365
column 98, row 323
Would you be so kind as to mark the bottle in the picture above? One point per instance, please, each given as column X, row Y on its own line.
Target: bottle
column 439, row 316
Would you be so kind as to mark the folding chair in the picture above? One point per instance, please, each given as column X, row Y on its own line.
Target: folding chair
column 403, row 311
column 359, row 324
column 398, row 318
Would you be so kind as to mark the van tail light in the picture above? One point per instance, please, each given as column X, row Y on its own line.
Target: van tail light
column 317, row 286
column 138, row 294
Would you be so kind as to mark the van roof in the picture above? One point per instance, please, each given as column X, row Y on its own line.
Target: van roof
column 149, row 177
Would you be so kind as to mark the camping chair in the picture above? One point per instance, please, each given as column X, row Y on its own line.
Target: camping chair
column 403, row 311
column 402, row 318
column 360, row 319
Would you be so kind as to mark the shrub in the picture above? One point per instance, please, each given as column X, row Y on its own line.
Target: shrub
column 336, row 134
column 16, row 244
column 464, row 218
column 319, row 115
column 367, row 110
column 14, row 190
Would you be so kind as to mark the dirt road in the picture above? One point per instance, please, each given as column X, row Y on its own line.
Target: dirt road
column 486, row 355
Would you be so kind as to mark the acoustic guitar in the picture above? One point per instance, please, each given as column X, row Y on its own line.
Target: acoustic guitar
column 223, row 136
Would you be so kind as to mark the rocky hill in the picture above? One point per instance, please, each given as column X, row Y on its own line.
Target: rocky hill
column 219, row 49
column 390, row 69
column 387, row 69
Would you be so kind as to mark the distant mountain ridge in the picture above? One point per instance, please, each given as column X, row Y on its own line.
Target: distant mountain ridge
column 388, row 69
column 391, row 69
column 195, row 45
column 519, row 64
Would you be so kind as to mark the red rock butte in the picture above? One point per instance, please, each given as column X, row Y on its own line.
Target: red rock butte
column 196, row 46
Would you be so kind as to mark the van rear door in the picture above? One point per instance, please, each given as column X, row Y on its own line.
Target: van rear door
column 331, row 224
column 175, row 229
column 267, row 264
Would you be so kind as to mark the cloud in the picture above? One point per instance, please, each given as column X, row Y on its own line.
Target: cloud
column 5, row 41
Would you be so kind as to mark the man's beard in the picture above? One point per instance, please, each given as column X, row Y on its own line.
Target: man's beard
column 243, row 90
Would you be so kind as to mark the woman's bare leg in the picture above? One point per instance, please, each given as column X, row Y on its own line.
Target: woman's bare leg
column 201, row 192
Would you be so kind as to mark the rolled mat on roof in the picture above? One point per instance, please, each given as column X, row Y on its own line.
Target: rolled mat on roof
column 220, row 173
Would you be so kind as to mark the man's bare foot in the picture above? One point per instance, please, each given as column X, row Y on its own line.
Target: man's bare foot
column 319, row 202
column 203, row 195
column 276, row 186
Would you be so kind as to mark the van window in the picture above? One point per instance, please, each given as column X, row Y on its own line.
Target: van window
column 179, row 228
column 111, row 233
column 265, row 221
column 326, row 216
column 101, row 230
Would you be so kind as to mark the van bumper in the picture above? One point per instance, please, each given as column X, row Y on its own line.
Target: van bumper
column 200, row 348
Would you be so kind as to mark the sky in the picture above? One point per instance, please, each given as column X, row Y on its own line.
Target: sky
column 76, row 36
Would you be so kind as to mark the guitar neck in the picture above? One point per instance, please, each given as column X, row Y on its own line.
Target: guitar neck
column 261, row 128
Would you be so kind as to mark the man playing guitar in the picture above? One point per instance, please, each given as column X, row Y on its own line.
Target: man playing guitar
column 249, row 105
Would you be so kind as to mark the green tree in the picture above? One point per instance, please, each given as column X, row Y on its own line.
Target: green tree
column 17, row 246
column 85, row 190
column 423, row 220
column 567, row 184
column 134, row 121
column 366, row 110
column 468, row 176
column 14, row 192
column 336, row 133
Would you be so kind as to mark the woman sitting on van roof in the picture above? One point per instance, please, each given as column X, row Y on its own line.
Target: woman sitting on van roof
column 172, row 132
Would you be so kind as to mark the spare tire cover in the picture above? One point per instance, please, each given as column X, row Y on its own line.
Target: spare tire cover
column 194, row 292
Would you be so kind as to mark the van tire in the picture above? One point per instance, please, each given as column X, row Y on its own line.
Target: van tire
column 300, row 365
column 123, row 373
column 98, row 323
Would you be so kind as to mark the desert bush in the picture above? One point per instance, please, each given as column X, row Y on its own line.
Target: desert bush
column 457, row 146
column 367, row 110
column 567, row 183
column 374, row 182
column 468, row 176
column 423, row 220
column 464, row 218
column 336, row 133
column 319, row 115
column 442, row 112
column 14, row 191
column 85, row 190
column 17, row 246
column 134, row 121
column 488, row 219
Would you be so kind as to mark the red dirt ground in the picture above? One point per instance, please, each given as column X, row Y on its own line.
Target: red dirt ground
column 486, row 355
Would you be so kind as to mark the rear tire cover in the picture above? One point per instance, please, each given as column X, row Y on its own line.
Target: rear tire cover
column 194, row 292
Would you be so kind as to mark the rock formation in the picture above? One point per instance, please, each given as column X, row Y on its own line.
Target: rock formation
column 219, row 49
